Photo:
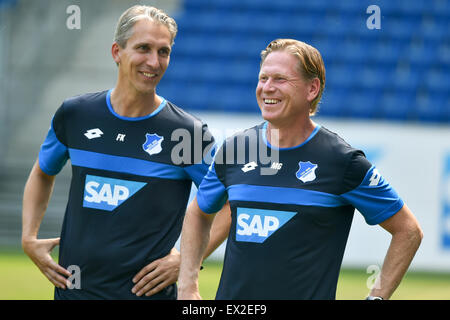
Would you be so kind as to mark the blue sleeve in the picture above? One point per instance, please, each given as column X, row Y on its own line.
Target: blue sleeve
column 212, row 194
column 198, row 171
column 374, row 198
column 53, row 154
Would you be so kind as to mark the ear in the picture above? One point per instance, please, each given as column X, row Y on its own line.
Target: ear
column 115, row 52
column 313, row 89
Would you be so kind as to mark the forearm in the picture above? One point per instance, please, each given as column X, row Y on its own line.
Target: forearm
column 38, row 189
column 194, row 240
column 219, row 230
column 401, row 251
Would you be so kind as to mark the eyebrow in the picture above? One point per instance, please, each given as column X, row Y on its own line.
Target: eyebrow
column 165, row 48
column 139, row 44
column 276, row 74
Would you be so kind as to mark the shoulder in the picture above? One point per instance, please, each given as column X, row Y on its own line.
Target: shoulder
column 85, row 98
column 332, row 140
column 238, row 145
column 330, row 145
column 244, row 135
column 349, row 164
column 181, row 118
column 80, row 102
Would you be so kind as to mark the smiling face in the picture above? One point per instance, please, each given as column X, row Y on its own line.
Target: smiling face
column 145, row 58
column 283, row 95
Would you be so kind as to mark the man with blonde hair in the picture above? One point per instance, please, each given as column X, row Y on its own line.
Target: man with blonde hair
column 128, row 195
column 289, row 229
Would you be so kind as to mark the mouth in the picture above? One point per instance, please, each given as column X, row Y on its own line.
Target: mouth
column 149, row 75
column 271, row 101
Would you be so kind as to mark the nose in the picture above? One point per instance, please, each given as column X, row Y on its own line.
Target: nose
column 267, row 86
column 152, row 60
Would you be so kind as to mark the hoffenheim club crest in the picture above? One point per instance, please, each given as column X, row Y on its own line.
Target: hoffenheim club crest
column 306, row 171
column 152, row 144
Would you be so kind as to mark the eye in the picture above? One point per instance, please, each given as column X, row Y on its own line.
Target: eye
column 165, row 52
column 143, row 47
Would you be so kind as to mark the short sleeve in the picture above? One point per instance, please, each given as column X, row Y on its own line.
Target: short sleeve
column 197, row 171
column 54, row 154
column 212, row 193
column 373, row 196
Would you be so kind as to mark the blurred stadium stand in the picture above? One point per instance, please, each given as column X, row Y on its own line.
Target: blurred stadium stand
column 398, row 73
column 42, row 62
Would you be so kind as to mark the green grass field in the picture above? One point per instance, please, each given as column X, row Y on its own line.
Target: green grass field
column 20, row 279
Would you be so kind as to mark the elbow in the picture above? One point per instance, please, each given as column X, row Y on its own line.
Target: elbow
column 415, row 235
column 420, row 235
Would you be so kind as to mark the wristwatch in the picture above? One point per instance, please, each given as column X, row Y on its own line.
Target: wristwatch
column 374, row 298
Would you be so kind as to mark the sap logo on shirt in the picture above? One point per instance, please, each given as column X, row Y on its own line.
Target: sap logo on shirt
column 256, row 225
column 107, row 193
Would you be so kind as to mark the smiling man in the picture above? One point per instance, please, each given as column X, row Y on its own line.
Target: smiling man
column 127, row 198
column 289, row 229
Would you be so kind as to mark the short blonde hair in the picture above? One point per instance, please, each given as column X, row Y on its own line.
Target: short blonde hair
column 128, row 19
column 310, row 62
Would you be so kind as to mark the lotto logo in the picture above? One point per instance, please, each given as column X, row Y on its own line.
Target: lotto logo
column 107, row 193
column 93, row 133
column 249, row 166
column 256, row 225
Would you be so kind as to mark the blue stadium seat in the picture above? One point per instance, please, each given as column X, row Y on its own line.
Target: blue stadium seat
column 397, row 105
column 438, row 79
column 335, row 24
column 302, row 24
column 317, row 5
column 371, row 76
column 443, row 53
column 408, row 7
column 270, row 23
column 421, row 52
column 399, row 72
column 221, row 47
column 400, row 28
column 180, row 68
column 351, row 50
column 341, row 75
column 430, row 108
column 350, row 6
column 195, row 5
column 242, row 71
column 8, row 3
column 332, row 103
column 189, row 45
column 197, row 93
column 361, row 104
column 384, row 51
column 434, row 28
column 235, row 99
column 405, row 77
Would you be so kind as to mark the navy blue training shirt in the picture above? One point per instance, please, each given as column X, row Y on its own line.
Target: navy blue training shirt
column 290, row 224
column 131, row 180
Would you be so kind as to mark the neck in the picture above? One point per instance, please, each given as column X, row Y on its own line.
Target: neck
column 287, row 136
column 133, row 104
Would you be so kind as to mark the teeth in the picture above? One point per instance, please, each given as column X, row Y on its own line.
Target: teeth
column 150, row 75
column 271, row 101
